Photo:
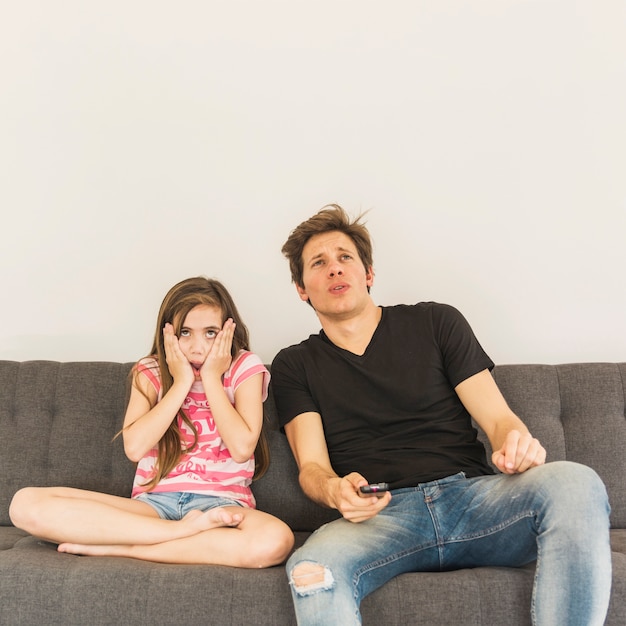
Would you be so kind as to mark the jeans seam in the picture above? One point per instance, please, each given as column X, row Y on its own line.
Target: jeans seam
column 493, row 529
column 533, row 609
column 396, row 556
column 439, row 543
column 428, row 500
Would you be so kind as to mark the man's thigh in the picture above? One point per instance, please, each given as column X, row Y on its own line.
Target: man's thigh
column 495, row 520
column 365, row 555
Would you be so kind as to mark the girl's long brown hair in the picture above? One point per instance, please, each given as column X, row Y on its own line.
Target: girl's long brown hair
column 180, row 299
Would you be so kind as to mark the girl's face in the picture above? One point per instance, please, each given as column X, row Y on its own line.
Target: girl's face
column 198, row 332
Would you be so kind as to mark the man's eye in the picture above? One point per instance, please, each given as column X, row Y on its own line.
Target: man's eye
column 346, row 257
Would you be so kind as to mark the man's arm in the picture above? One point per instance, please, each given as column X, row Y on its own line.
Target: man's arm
column 514, row 449
column 319, row 481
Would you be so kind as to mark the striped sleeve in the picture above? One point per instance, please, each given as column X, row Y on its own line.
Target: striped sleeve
column 149, row 368
column 245, row 366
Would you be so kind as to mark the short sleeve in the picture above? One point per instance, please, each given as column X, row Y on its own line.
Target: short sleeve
column 247, row 364
column 149, row 367
column 289, row 387
column 462, row 354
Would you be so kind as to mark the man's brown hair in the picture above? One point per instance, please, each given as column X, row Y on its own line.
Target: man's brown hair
column 330, row 218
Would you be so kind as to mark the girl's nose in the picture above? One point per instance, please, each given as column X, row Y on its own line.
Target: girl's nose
column 197, row 346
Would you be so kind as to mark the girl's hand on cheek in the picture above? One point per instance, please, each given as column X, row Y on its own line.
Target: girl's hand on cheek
column 219, row 358
column 177, row 363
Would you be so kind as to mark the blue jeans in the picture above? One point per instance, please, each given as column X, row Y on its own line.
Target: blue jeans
column 556, row 514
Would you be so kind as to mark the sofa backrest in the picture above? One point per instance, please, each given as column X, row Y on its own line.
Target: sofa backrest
column 58, row 422
column 578, row 412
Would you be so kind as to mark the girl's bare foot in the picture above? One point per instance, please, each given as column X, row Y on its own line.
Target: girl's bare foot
column 93, row 550
column 213, row 518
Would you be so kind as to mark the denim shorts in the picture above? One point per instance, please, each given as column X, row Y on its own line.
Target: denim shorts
column 174, row 505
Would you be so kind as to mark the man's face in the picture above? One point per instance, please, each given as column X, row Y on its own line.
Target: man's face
column 335, row 280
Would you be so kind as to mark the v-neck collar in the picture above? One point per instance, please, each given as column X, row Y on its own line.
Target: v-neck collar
column 369, row 346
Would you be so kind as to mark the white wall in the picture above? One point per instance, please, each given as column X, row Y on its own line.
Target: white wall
column 142, row 142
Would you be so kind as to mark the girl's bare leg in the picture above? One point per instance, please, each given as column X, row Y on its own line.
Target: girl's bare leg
column 260, row 540
column 61, row 514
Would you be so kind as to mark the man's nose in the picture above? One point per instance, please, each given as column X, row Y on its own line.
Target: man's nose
column 335, row 270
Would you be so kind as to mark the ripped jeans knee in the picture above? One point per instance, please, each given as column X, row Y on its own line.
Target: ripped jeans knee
column 308, row 577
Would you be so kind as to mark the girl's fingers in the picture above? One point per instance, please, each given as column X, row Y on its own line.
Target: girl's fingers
column 224, row 340
column 177, row 362
column 170, row 342
column 219, row 358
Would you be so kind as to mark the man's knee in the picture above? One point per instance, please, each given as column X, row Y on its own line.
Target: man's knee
column 575, row 494
column 307, row 577
column 576, row 480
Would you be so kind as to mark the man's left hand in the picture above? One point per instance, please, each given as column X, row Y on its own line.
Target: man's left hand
column 519, row 452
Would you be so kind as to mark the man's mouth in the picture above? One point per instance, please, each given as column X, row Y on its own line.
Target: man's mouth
column 338, row 288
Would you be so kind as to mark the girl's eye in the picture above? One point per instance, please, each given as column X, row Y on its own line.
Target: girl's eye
column 211, row 334
column 184, row 333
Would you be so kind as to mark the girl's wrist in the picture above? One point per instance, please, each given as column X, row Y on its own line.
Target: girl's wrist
column 181, row 386
column 211, row 379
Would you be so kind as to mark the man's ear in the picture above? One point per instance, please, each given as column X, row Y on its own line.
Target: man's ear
column 369, row 276
column 302, row 293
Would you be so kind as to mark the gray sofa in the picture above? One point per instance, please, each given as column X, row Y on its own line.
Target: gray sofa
column 57, row 421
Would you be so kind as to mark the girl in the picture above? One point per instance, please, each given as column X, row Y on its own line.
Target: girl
column 193, row 422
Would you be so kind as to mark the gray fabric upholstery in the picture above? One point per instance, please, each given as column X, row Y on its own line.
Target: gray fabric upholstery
column 57, row 424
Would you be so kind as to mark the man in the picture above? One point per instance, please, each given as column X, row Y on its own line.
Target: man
column 386, row 394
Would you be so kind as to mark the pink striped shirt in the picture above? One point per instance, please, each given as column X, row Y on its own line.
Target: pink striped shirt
column 208, row 468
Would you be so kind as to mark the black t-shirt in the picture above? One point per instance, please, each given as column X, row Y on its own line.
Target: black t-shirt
column 391, row 414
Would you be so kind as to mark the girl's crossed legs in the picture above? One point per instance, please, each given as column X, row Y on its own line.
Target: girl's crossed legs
column 93, row 523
